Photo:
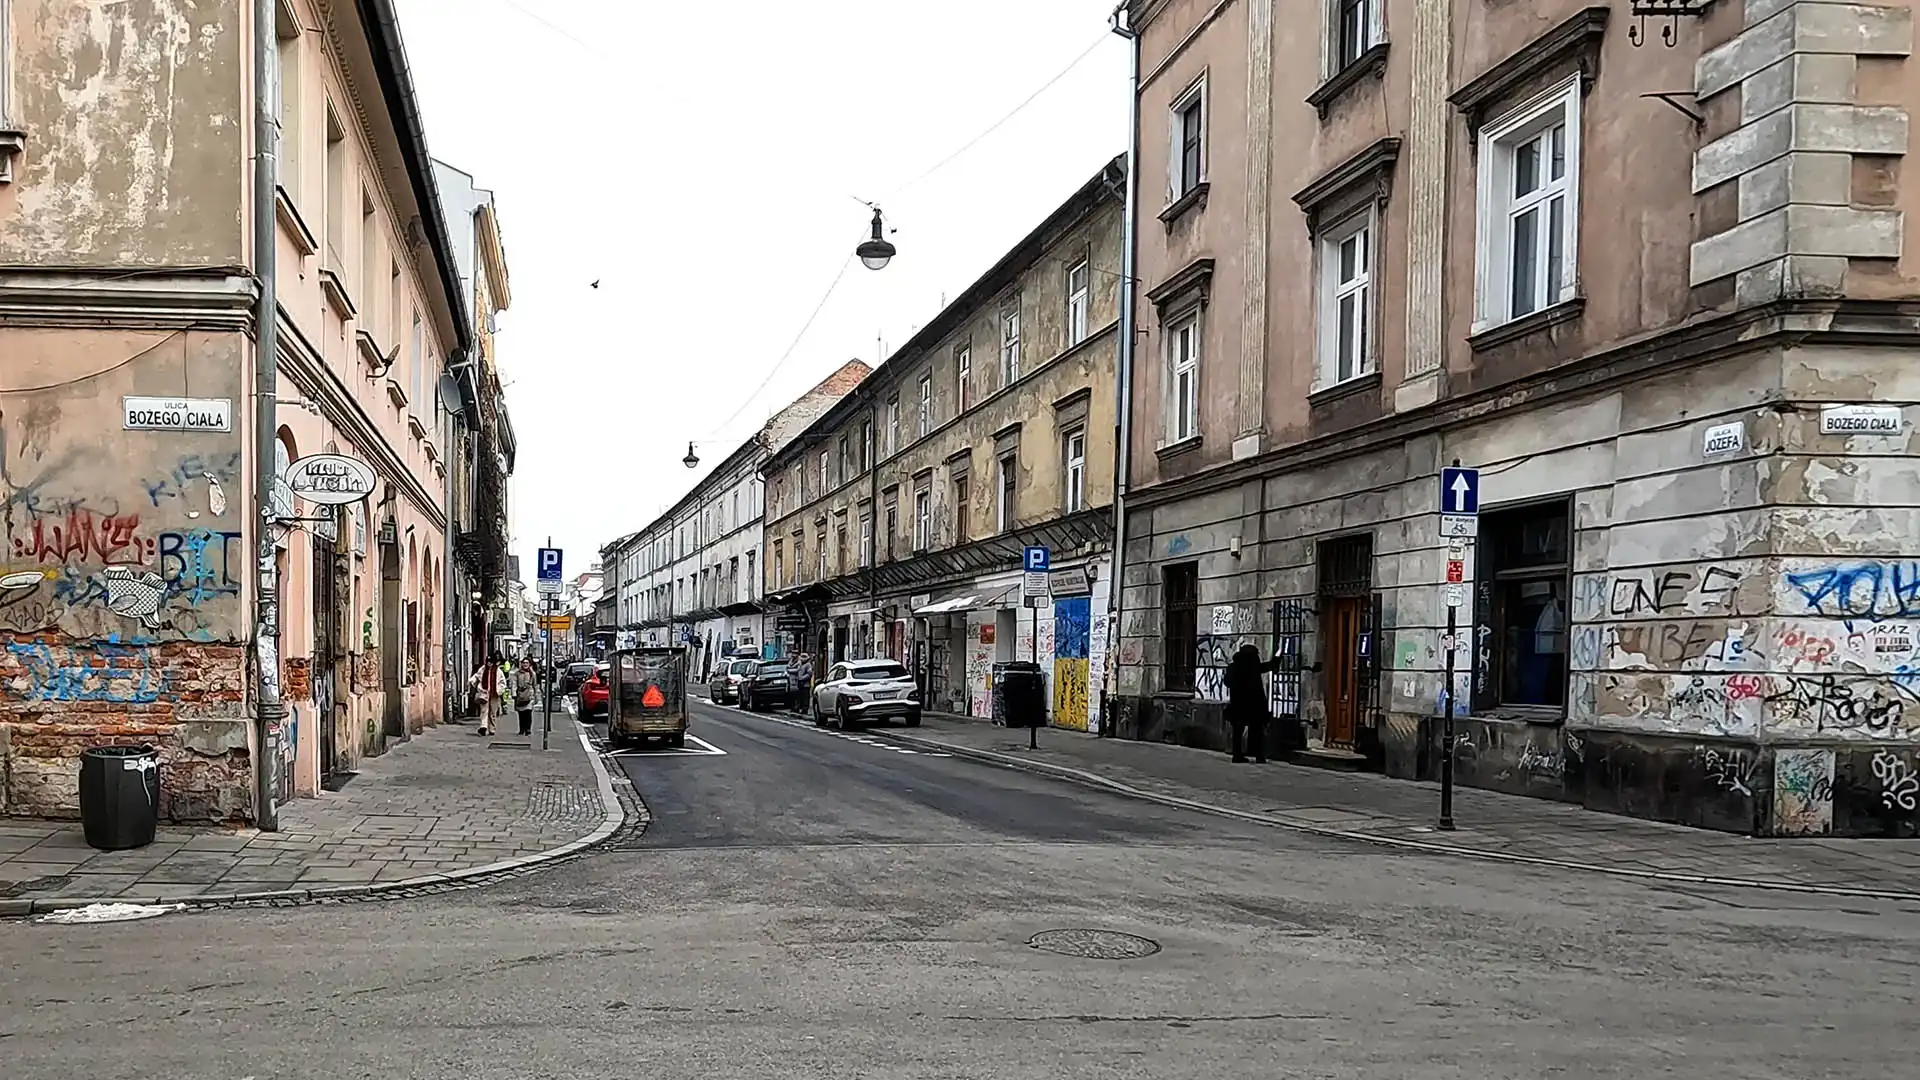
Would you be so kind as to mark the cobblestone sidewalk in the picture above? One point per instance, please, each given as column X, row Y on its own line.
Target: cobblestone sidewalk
column 449, row 801
column 1489, row 823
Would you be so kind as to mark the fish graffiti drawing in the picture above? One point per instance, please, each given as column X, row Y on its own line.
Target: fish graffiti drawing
column 135, row 596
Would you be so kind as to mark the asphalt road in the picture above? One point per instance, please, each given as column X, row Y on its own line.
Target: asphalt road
column 809, row 905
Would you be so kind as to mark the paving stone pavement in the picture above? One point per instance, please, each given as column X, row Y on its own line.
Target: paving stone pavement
column 449, row 800
column 1488, row 822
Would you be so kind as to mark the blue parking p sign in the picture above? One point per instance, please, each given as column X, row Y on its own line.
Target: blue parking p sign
column 549, row 567
column 1037, row 560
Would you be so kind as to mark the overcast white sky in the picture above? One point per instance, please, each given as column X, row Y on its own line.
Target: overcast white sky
column 701, row 161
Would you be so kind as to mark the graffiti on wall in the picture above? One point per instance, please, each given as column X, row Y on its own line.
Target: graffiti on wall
column 1071, row 673
column 71, row 674
column 1803, row 792
column 1872, row 589
column 90, row 552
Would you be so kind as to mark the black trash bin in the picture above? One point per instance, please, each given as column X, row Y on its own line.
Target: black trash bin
column 119, row 796
column 1023, row 692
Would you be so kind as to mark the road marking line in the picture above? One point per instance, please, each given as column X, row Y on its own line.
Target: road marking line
column 807, row 725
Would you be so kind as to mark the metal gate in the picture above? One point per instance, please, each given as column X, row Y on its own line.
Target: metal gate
column 326, row 636
column 1289, row 631
column 1369, row 665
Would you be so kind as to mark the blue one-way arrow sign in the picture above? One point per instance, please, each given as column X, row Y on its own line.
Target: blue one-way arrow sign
column 1459, row 491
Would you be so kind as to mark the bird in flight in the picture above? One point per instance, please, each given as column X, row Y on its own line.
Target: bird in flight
column 594, row 285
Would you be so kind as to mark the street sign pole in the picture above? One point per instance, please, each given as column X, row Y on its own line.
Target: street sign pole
column 546, row 714
column 1446, row 735
column 1459, row 522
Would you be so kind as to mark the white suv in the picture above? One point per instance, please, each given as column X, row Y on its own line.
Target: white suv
column 856, row 691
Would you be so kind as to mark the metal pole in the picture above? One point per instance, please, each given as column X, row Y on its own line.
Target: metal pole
column 269, row 709
column 546, row 632
column 1446, row 736
column 1033, row 654
column 1123, row 390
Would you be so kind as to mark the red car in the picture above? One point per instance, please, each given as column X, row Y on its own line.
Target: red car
column 593, row 694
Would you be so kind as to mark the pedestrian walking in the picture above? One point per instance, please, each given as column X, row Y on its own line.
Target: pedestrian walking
column 523, row 686
column 1247, row 709
column 477, row 689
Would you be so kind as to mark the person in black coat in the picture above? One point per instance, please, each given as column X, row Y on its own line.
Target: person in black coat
column 1247, row 709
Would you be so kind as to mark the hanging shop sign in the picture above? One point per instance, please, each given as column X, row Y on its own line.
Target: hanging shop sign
column 331, row 479
column 178, row 414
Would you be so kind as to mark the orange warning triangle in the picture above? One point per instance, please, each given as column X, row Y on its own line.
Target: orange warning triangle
column 653, row 698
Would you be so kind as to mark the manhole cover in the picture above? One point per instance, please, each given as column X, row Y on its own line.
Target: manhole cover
column 1094, row 944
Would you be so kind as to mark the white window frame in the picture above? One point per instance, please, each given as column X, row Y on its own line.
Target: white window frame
column 1362, row 226
column 1497, row 209
column 1010, row 345
column 893, row 425
column 926, row 404
column 1193, row 96
column 826, row 473
column 1183, row 407
column 963, row 376
column 1079, row 301
column 1074, row 451
column 866, row 539
column 922, row 519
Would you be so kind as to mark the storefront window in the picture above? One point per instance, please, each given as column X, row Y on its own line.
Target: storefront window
column 1526, row 555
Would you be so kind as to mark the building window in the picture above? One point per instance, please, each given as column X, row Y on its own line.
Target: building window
column 926, row 404
column 753, row 579
column 826, row 478
column 922, row 519
column 962, row 507
column 1189, row 158
column 1010, row 345
column 1009, row 474
column 821, row 547
column 1180, row 592
column 1356, row 28
column 1346, row 301
column 846, row 458
column 799, row 557
column 893, row 524
column 963, row 377
column 893, row 424
column 866, row 539
column 1529, row 207
column 1525, row 573
column 1079, row 296
column 286, row 87
column 866, row 445
column 1183, row 378
column 840, row 547
column 1075, row 454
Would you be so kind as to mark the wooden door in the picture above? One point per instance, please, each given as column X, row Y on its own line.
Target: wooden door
column 1341, row 655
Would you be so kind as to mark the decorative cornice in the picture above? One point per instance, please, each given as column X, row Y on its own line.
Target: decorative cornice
column 1372, row 166
column 1196, row 278
column 161, row 298
column 301, row 363
column 1577, row 38
column 1881, row 323
column 1372, row 62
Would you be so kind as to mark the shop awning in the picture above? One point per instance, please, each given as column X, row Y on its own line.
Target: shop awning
column 972, row 600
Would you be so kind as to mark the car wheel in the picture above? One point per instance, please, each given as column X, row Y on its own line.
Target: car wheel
column 678, row 741
column 843, row 717
column 913, row 718
column 746, row 700
column 819, row 720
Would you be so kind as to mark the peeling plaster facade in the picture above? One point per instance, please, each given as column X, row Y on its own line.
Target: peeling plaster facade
column 127, row 576
column 1696, row 591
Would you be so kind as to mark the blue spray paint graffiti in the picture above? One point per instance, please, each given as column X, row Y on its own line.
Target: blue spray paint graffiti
column 79, row 673
column 198, row 565
column 191, row 467
column 1865, row 590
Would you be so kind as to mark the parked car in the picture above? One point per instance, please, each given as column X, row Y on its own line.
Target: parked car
column 863, row 691
column 593, row 692
column 766, row 683
column 573, row 675
column 725, row 687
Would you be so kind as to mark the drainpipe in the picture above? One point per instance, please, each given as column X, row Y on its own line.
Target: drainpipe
column 1123, row 389
column 269, row 709
column 454, row 597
